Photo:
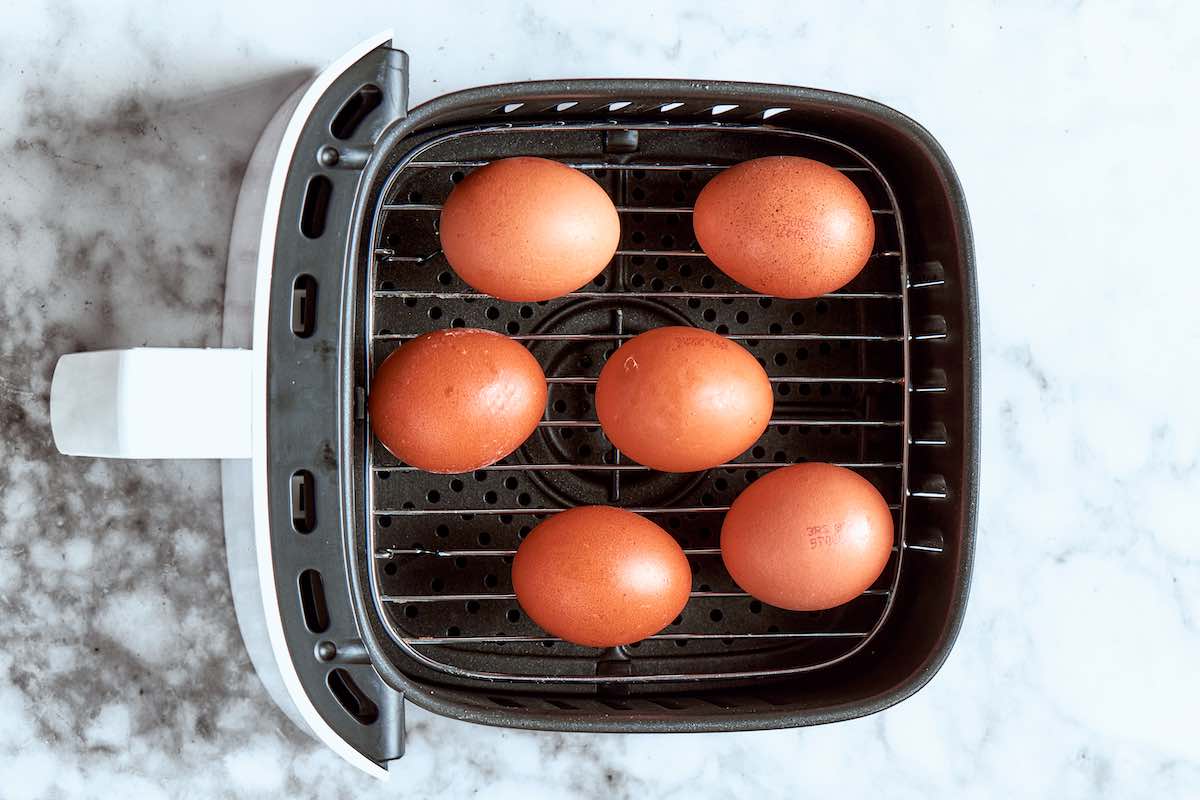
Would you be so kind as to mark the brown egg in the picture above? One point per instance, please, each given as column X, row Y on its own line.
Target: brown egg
column 601, row 576
column 527, row 229
column 456, row 400
column 785, row 226
column 682, row 399
column 807, row 537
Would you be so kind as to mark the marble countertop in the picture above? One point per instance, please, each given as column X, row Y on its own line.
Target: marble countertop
column 122, row 673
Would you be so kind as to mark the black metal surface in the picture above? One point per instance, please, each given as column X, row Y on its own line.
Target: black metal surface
column 944, row 414
column 307, row 538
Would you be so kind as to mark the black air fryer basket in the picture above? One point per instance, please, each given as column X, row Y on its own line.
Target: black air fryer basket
column 400, row 580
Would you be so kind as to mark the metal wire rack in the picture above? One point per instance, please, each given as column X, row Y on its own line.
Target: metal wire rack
column 427, row 594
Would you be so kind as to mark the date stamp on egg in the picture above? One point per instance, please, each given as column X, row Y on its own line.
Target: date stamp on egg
column 826, row 535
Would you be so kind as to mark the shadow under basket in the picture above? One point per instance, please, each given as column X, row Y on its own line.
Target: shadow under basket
column 404, row 584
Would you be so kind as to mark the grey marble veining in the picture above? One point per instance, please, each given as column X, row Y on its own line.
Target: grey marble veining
column 122, row 673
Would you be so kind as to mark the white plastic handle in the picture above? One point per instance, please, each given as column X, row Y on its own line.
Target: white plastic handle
column 153, row 403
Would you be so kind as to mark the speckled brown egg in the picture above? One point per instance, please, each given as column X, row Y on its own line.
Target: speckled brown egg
column 682, row 399
column 807, row 537
column 528, row 229
column 601, row 576
column 785, row 226
column 456, row 400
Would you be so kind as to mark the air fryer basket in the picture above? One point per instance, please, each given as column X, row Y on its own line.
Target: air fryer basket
column 881, row 376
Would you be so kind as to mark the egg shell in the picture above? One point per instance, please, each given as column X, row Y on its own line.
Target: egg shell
column 681, row 399
column 785, row 226
column 527, row 229
column 807, row 537
column 456, row 400
column 601, row 576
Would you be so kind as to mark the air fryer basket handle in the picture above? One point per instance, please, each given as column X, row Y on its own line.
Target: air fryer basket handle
column 153, row 403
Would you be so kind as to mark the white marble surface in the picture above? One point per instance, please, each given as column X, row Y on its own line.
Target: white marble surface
column 1072, row 127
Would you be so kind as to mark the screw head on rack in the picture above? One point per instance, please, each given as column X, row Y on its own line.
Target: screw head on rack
column 328, row 156
column 326, row 651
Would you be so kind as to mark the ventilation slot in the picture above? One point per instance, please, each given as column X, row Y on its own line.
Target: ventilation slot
column 355, row 110
column 670, row 705
column 304, row 306
column 312, row 601
column 316, row 205
column 505, row 702
column 346, row 691
column 304, row 496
